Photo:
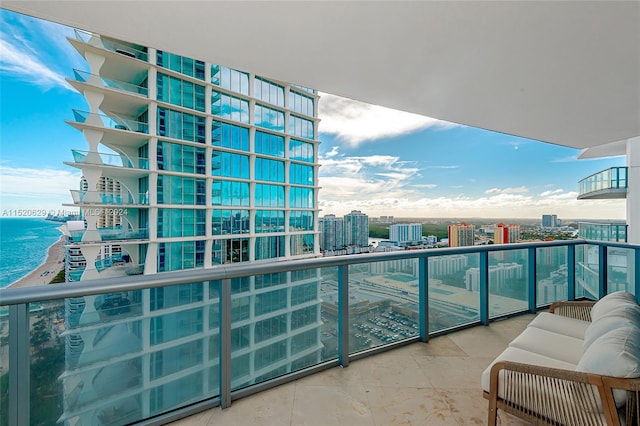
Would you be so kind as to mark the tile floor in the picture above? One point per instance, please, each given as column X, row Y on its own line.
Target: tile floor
column 437, row 383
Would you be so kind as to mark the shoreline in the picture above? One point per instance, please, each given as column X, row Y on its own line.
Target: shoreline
column 47, row 270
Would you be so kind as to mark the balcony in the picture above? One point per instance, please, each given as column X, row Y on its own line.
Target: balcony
column 120, row 198
column 125, row 49
column 607, row 184
column 85, row 77
column 112, row 234
column 613, row 232
column 207, row 338
column 109, row 160
column 109, row 122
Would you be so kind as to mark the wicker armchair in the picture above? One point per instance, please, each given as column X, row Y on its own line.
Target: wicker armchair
column 543, row 395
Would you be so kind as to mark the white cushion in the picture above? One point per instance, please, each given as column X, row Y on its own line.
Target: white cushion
column 617, row 354
column 610, row 301
column 561, row 325
column 550, row 344
column 525, row 357
column 607, row 323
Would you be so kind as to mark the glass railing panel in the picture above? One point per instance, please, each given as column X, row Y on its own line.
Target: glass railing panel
column 118, row 123
column 47, row 362
column 109, row 197
column 621, row 273
column 508, row 289
column 587, row 271
column 84, row 77
column 277, row 325
column 111, row 234
column 103, row 308
column 383, row 303
column 454, row 292
column 4, row 365
column 613, row 178
column 114, row 160
column 552, row 278
column 329, row 312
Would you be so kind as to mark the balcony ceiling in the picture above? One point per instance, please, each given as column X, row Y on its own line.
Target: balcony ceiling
column 565, row 72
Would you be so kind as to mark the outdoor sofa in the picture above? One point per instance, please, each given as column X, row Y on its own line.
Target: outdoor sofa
column 578, row 364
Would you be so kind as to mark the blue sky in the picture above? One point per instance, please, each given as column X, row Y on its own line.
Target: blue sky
column 374, row 159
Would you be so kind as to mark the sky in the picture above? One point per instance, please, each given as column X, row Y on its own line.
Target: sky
column 373, row 159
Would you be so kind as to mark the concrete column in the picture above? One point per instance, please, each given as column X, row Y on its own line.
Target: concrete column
column 633, row 190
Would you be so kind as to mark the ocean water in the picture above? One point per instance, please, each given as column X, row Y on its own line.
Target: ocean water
column 24, row 243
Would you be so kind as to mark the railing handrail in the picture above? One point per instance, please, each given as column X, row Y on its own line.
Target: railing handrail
column 19, row 295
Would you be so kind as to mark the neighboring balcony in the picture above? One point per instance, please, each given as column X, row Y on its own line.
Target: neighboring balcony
column 109, row 160
column 112, row 234
column 612, row 232
column 109, row 198
column 127, row 124
column 607, row 184
column 125, row 49
column 85, row 77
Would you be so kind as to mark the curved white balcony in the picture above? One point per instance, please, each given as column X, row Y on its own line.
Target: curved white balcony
column 109, row 198
column 110, row 122
column 112, row 160
column 607, row 184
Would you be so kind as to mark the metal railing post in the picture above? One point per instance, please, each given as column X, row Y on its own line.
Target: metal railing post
column 225, row 344
column 423, row 300
column 571, row 272
column 484, row 288
column 343, row 315
column 636, row 273
column 602, row 271
column 531, row 281
column 19, row 360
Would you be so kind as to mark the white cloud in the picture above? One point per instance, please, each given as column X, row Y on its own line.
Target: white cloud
column 518, row 190
column 551, row 192
column 355, row 122
column 443, row 167
column 35, row 64
column 25, row 188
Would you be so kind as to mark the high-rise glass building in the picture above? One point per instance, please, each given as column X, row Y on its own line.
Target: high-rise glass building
column 549, row 221
column 331, row 232
column 404, row 232
column 356, row 229
column 188, row 165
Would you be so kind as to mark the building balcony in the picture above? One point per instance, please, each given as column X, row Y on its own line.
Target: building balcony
column 408, row 325
column 613, row 232
column 109, row 160
column 120, row 198
column 607, row 184
column 111, row 234
column 128, row 50
column 109, row 122
column 85, row 77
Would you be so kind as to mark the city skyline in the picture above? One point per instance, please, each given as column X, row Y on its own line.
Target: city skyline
column 368, row 156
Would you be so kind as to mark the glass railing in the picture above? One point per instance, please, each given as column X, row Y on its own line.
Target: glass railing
column 85, row 77
column 118, row 123
column 613, row 232
column 112, row 45
column 123, row 350
column 110, row 234
column 108, row 197
column 614, row 178
column 114, row 160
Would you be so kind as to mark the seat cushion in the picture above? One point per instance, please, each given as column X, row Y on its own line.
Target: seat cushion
column 549, row 344
column 561, row 325
column 610, row 301
column 519, row 355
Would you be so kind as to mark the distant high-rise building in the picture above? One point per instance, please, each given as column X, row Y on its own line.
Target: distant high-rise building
column 386, row 219
column 432, row 240
column 331, row 232
column 404, row 232
column 501, row 276
column 461, row 234
column 549, row 221
column 356, row 229
column 506, row 234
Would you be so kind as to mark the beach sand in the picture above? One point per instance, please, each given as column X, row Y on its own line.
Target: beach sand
column 44, row 273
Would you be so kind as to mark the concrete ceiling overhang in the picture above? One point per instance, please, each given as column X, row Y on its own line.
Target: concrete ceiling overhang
column 565, row 72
